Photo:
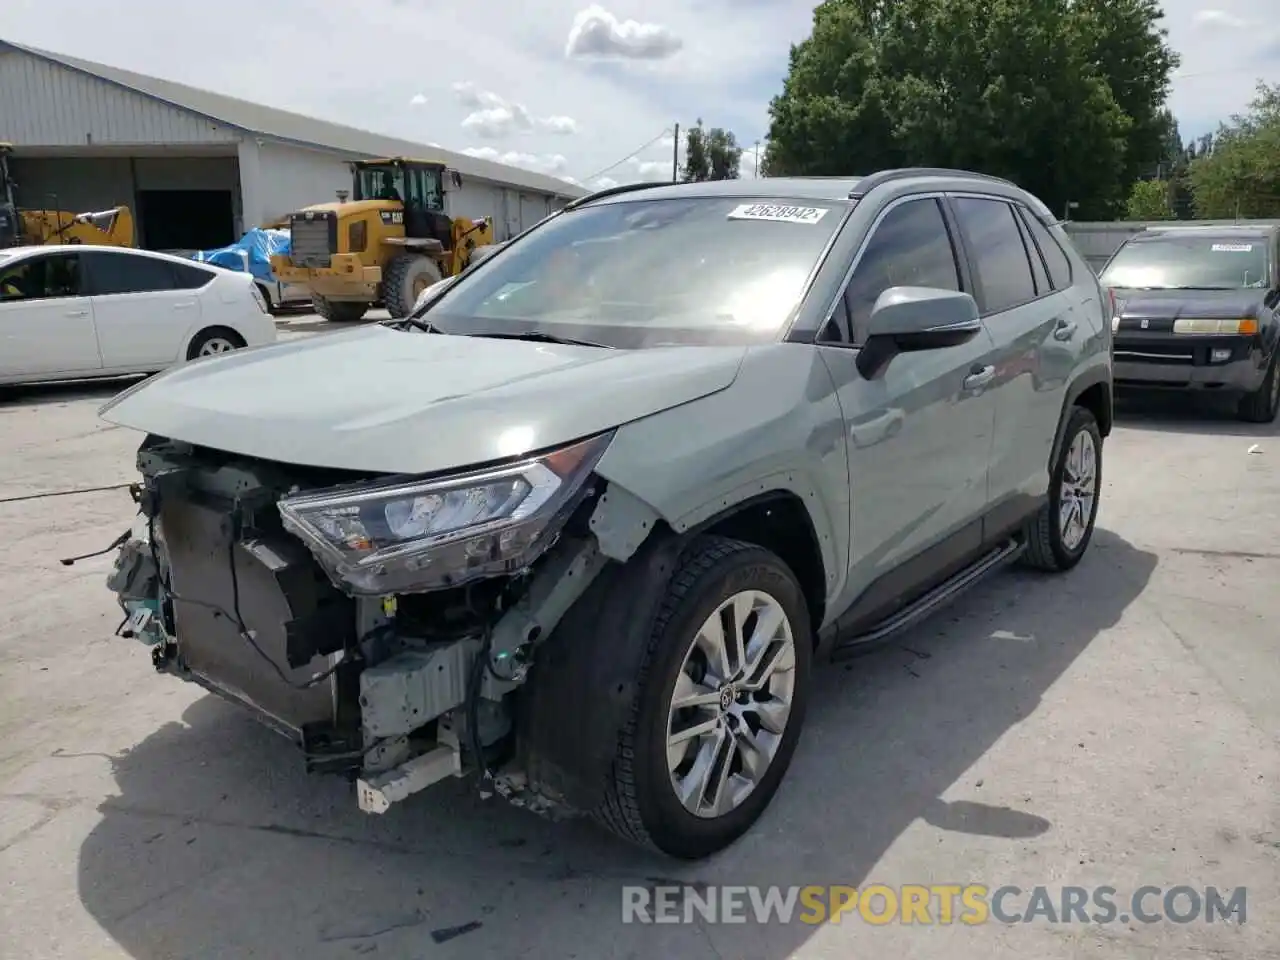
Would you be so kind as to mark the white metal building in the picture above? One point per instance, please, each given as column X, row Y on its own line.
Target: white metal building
column 198, row 168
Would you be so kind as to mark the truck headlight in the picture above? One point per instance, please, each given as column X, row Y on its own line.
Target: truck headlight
column 1244, row 327
column 419, row 535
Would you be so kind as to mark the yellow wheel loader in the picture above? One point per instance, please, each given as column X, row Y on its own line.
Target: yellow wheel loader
column 110, row 228
column 387, row 244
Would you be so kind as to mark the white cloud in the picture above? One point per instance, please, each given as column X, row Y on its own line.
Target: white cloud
column 560, row 125
column 603, row 183
column 469, row 95
column 418, row 100
column 651, row 169
column 496, row 117
column 1219, row 18
column 598, row 33
column 552, row 163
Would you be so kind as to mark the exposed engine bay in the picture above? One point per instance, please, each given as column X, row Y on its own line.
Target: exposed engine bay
column 387, row 626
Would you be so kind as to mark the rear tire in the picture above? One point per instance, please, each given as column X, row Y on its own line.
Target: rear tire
column 213, row 342
column 404, row 280
column 642, row 803
column 272, row 307
column 1059, row 535
column 338, row 311
column 1261, row 405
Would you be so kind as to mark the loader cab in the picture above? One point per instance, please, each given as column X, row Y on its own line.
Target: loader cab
column 416, row 185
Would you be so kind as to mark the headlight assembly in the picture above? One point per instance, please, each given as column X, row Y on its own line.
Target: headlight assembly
column 418, row 535
column 1244, row 327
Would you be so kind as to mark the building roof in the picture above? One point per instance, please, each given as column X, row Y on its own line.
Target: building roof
column 296, row 128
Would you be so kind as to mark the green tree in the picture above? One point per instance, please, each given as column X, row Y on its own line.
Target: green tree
column 1238, row 175
column 1127, row 42
column 711, row 154
column 1017, row 88
column 1150, row 200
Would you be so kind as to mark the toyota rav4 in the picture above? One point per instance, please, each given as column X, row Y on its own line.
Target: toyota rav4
column 583, row 522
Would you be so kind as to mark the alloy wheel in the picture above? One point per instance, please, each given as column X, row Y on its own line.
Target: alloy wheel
column 214, row 346
column 1079, row 490
column 731, row 704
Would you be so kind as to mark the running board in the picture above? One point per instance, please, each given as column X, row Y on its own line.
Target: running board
column 932, row 601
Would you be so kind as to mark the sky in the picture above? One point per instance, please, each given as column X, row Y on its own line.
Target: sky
column 587, row 92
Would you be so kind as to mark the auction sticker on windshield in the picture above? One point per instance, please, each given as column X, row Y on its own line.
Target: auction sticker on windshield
column 1233, row 248
column 773, row 211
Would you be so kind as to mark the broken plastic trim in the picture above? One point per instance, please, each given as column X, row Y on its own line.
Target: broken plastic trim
column 374, row 539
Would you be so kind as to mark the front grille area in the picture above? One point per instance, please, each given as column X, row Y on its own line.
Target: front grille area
column 1155, row 353
column 1186, row 350
column 312, row 241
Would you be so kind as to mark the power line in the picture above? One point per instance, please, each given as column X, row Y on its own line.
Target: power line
column 635, row 152
column 1236, row 71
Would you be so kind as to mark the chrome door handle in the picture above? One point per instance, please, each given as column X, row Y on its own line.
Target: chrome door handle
column 77, row 313
column 1065, row 331
column 979, row 377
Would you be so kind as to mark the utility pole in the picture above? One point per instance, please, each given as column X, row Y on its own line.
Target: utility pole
column 757, row 166
column 675, row 156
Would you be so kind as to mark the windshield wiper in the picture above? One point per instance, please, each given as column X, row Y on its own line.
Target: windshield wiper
column 418, row 323
column 538, row 336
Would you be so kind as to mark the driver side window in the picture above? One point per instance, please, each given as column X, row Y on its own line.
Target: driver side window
column 911, row 247
column 41, row 278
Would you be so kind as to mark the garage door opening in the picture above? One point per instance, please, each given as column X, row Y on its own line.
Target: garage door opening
column 185, row 219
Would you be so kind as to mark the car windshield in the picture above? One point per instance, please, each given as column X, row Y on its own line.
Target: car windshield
column 702, row 270
column 1199, row 262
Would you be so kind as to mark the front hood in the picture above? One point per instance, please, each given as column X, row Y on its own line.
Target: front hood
column 385, row 401
column 1175, row 304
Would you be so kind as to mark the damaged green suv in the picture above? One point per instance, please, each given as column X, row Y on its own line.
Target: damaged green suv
column 582, row 524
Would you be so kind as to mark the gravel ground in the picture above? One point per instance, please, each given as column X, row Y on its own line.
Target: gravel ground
column 1117, row 726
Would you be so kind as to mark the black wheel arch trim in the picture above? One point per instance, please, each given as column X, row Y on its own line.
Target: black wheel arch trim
column 1100, row 375
column 583, row 684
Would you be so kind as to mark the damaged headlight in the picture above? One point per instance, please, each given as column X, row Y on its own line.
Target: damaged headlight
column 412, row 536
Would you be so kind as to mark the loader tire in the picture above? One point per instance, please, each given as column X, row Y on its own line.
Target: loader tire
column 403, row 281
column 338, row 311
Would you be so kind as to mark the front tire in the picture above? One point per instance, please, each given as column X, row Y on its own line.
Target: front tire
column 404, row 280
column 1261, row 405
column 338, row 311
column 1059, row 535
column 720, row 703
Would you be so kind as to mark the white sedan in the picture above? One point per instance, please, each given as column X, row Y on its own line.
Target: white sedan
column 75, row 312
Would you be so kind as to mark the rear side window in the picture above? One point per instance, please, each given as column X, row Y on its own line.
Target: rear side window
column 999, row 255
column 113, row 273
column 1055, row 258
column 911, row 247
column 43, row 277
column 190, row 278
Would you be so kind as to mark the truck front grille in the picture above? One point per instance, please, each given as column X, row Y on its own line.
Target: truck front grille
column 313, row 240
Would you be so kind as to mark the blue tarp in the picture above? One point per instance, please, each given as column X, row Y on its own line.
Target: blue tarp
column 251, row 253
